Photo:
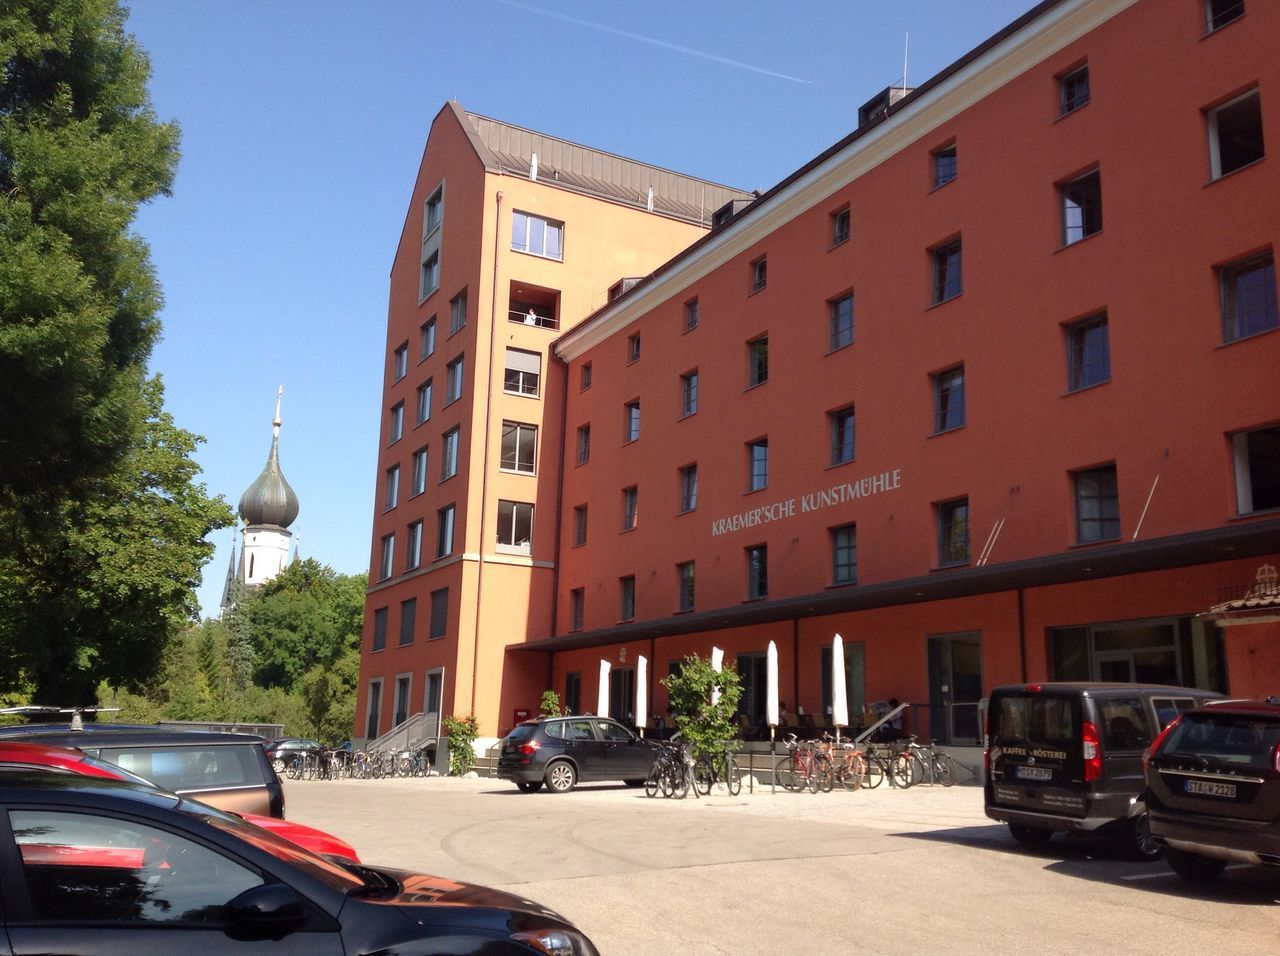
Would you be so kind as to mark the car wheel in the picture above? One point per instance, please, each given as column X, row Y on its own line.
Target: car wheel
column 277, row 764
column 1029, row 836
column 529, row 786
column 561, row 777
column 634, row 783
column 1139, row 842
column 1197, row 869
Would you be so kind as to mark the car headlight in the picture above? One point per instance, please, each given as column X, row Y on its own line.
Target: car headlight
column 556, row 942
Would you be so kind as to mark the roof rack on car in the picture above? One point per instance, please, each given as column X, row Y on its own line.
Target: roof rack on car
column 77, row 718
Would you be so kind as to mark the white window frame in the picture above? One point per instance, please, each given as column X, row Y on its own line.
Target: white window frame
column 507, row 541
column 547, row 226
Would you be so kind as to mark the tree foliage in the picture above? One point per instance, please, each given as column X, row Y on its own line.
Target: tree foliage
column 706, row 726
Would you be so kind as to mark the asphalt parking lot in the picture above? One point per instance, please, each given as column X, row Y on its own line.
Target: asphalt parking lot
column 880, row 871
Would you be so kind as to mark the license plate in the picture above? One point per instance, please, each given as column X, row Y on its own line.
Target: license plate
column 1211, row 789
column 1033, row 773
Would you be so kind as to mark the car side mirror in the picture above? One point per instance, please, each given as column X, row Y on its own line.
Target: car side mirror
column 271, row 911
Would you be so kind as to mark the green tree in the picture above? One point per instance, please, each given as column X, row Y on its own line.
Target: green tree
column 549, row 706
column 703, row 724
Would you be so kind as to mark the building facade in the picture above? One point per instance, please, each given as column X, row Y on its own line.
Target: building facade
column 988, row 388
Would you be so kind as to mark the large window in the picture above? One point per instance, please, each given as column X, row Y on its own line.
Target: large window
column 947, row 279
column 1257, row 466
column 842, row 435
column 1248, row 290
column 523, row 372
column 413, row 548
column 953, row 532
column 844, row 555
column 757, row 361
column 1097, row 505
column 392, row 497
column 453, row 380
column 685, row 575
column 444, row 531
column 515, row 525
column 688, row 488
column 1081, row 207
column 841, row 321
column 630, row 507
column 855, row 689
column 1073, row 89
column 1235, row 134
column 579, row 525
column 1088, row 352
column 449, row 460
column 419, row 471
column 631, row 420
column 424, row 402
column 689, row 393
column 519, row 447
column 537, row 236
column 584, row 443
column 1185, row 652
column 757, row 572
column 948, row 399
column 439, row 613
column 387, row 563
column 408, row 620
column 458, row 312
column 758, row 464
column 627, row 602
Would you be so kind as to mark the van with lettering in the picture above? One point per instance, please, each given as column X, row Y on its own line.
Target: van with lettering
column 1067, row 757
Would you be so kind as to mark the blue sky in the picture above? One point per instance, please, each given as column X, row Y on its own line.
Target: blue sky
column 303, row 122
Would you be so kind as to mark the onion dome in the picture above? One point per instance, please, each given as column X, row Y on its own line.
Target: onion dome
column 270, row 500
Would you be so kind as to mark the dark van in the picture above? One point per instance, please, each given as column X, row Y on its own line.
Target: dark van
column 1067, row 758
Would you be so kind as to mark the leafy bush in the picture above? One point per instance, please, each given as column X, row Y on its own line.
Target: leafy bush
column 550, row 704
column 462, row 733
column 705, row 726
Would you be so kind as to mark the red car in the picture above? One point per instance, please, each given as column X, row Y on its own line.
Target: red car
column 14, row 754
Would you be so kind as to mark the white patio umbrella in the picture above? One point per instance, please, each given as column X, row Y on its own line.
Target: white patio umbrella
column 717, row 662
column 602, row 701
column 771, row 686
column 839, row 690
column 642, row 693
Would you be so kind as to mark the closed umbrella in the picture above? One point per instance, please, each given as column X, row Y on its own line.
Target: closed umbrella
column 771, row 706
column 642, row 693
column 839, row 690
column 717, row 662
column 602, row 702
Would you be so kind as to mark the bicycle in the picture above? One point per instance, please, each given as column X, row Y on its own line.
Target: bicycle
column 710, row 771
column 916, row 763
column 849, row 765
column 802, row 768
column 672, row 772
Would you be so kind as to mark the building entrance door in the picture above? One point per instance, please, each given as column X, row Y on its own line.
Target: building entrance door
column 955, row 688
column 622, row 695
column 1115, row 667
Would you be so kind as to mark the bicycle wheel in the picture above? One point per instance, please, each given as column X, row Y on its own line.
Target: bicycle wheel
column 901, row 770
column 810, row 771
column 944, row 769
column 825, row 771
column 873, row 775
column 787, row 774
column 653, row 781
column 704, row 775
column 733, row 779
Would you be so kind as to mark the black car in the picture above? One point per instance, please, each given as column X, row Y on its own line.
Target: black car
column 90, row 865
column 1213, row 787
column 560, row 751
column 283, row 750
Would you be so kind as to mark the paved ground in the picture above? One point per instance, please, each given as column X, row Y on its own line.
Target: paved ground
column 881, row 871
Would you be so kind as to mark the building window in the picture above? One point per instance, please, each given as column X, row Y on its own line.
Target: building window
column 631, row 421
column 947, row 280
column 757, row 572
column 419, row 471
column 380, row 629
column 691, row 315
column 633, row 348
column 844, row 555
column 579, row 525
column 953, row 532
column 841, row 321
column 408, row 618
column 439, row 614
column 519, row 447
column 396, row 425
column 759, row 274
column 630, row 507
column 1097, row 505
column 400, row 362
column 537, row 236
column 843, row 434
column 387, row 563
column 427, row 339
column 1081, row 207
column 757, row 361
column 1218, row 13
column 1235, row 134
column 434, row 212
column 523, row 372
column 627, row 587
column 685, row 575
column 430, row 275
column 1248, row 289
column 424, row 402
column 515, row 525
column 584, row 444
column 413, row 552
column 392, row 488
column 453, row 380
column 948, row 399
column 1088, row 353
column 758, row 464
column 458, row 312
column 840, row 227
column 1257, row 466
column 444, row 531
column 688, row 488
column 1073, row 89
column 577, row 613
column 584, row 380
column 449, row 460
column 944, row 165
column 689, row 394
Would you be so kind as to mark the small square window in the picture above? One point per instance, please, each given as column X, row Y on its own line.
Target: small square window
column 1088, row 353
column 1073, row 89
column 841, row 322
column 685, row 575
column 953, row 532
column 633, row 348
column 1257, row 467
column 630, row 507
column 627, row 587
column 1235, row 134
column 840, row 227
column 400, row 362
column 395, row 429
column 758, row 464
column 757, row 361
column 689, row 394
column 1097, row 505
column 688, row 488
column 691, row 315
column 1081, row 207
column 1218, row 13
column 631, row 421
column 1248, row 291
column 579, row 526
column 944, row 165
column 584, row 379
column 759, row 274
column 842, row 435
column 757, row 572
column 947, row 278
column 948, row 399
column 844, row 555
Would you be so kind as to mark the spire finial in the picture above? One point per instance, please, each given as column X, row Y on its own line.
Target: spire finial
column 275, row 422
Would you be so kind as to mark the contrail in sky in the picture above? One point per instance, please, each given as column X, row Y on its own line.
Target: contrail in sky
column 604, row 28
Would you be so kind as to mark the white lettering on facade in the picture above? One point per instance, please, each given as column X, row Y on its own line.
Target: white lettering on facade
column 811, row 501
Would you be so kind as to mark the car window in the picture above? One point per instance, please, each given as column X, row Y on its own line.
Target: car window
column 1241, row 739
column 1168, row 708
column 578, row 730
column 190, row 768
column 85, row 867
column 553, row 729
column 608, row 730
column 1042, row 720
column 1123, row 725
column 524, row 731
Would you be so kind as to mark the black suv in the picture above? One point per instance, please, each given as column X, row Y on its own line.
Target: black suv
column 560, row 751
column 1213, row 787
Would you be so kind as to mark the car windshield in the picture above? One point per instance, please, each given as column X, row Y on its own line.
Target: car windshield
column 1218, row 737
column 1041, row 720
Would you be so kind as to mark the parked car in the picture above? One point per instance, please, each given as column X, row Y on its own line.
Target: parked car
column 1213, row 787
column 20, row 755
column 227, row 771
column 280, row 750
column 1067, row 757
column 561, row 751
column 115, row 868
